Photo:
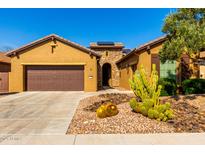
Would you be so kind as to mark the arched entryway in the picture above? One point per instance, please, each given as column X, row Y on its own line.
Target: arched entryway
column 106, row 74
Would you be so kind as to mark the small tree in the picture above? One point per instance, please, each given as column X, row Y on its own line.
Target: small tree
column 185, row 31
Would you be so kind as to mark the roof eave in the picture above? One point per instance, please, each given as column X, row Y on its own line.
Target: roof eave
column 5, row 62
column 162, row 39
column 52, row 36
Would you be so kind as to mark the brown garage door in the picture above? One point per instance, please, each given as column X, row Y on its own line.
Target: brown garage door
column 55, row 78
column 4, row 81
column 4, row 77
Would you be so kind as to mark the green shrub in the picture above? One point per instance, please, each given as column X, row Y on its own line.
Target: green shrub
column 193, row 86
column 169, row 86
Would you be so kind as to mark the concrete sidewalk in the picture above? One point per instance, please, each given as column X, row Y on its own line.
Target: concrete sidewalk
column 108, row 139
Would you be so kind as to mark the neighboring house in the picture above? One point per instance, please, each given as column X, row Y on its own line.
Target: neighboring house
column 5, row 68
column 147, row 55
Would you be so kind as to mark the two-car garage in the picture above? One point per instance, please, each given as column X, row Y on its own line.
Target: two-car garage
column 54, row 78
column 53, row 64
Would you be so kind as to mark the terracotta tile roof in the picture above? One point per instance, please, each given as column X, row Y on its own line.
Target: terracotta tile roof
column 142, row 47
column 52, row 36
column 4, row 58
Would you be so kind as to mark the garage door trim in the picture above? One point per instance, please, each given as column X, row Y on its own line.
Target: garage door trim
column 64, row 77
column 48, row 64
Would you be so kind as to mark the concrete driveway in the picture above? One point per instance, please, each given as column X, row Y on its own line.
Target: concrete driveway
column 38, row 113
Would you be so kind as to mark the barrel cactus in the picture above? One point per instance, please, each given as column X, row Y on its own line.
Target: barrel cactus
column 101, row 112
column 111, row 110
column 107, row 110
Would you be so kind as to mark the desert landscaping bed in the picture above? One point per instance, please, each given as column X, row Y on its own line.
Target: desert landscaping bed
column 189, row 116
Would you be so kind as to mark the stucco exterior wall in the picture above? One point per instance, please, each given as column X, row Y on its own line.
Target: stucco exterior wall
column 126, row 71
column 43, row 54
column 125, row 75
column 144, row 58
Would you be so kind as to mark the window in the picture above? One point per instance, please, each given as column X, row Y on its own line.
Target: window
column 168, row 70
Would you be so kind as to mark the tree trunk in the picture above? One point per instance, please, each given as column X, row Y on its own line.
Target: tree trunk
column 194, row 66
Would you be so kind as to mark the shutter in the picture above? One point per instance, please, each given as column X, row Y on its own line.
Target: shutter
column 156, row 60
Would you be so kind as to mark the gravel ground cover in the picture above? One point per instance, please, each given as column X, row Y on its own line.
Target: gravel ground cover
column 189, row 111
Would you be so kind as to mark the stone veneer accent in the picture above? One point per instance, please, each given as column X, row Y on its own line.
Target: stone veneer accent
column 109, row 55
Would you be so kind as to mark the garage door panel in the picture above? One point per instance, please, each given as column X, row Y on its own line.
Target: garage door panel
column 55, row 78
column 4, row 81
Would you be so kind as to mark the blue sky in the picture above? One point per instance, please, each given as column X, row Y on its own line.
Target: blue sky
column 129, row 26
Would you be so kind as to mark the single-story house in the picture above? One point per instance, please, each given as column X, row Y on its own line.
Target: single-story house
column 53, row 63
column 5, row 68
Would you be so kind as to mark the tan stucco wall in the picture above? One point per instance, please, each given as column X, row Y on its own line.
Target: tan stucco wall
column 144, row 59
column 126, row 71
column 63, row 54
column 125, row 75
